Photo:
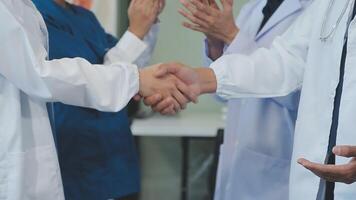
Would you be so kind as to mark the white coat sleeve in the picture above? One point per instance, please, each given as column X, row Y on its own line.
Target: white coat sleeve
column 272, row 72
column 241, row 43
column 70, row 81
column 131, row 49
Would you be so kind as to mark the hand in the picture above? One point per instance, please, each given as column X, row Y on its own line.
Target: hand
column 205, row 16
column 189, row 76
column 143, row 14
column 166, row 86
column 335, row 173
column 162, row 5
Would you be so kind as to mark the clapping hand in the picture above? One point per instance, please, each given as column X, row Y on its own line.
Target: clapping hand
column 205, row 16
column 143, row 14
column 335, row 173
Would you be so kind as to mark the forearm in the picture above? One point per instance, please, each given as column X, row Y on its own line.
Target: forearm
column 77, row 82
column 265, row 73
column 150, row 40
column 207, row 80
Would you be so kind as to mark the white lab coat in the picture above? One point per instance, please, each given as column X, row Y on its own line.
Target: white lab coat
column 259, row 132
column 29, row 167
column 299, row 58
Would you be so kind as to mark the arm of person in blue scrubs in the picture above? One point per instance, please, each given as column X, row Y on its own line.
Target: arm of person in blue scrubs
column 138, row 43
column 74, row 81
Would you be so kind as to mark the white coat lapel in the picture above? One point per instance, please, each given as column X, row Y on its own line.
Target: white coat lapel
column 287, row 8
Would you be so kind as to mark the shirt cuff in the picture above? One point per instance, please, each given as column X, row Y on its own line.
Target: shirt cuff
column 132, row 45
column 135, row 80
column 220, row 74
column 241, row 43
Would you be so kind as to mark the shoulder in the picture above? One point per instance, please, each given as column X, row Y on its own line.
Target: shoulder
column 83, row 11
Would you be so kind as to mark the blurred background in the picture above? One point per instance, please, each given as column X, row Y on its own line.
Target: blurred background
column 178, row 154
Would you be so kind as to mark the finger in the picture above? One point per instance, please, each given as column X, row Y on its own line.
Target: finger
column 195, row 27
column 345, row 151
column 162, row 70
column 162, row 6
column 203, row 8
column 169, row 111
column 213, row 4
column 187, row 92
column 194, row 19
column 165, row 69
column 164, row 104
column 197, row 9
column 137, row 97
column 332, row 173
column 226, row 4
column 152, row 100
column 176, row 105
column 181, row 99
column 187, row 5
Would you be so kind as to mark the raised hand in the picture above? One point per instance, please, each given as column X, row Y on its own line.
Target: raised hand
column 205, row 16
column 335, row 173
column 143, row 14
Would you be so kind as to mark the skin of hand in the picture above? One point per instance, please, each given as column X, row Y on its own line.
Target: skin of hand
column 143, row 14
column 162, row 5
column 167, row 86
column 199, row 81
column 205, row 16
column 335, row 173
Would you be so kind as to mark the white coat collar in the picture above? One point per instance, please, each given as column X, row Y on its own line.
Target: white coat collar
column 287, row 8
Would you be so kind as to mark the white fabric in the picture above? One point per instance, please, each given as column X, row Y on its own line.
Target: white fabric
column 300, row 59
column 259, row 132
column 131, row 49
column 29, row 167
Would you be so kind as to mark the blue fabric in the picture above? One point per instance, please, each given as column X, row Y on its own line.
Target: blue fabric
column 96, row 149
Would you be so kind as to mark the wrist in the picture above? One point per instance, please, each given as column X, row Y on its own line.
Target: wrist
column 207, row 80
column 137, row 32
column 214, row 43
column 231, row 34
column 142, row 80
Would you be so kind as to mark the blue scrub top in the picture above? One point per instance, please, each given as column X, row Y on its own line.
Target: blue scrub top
column 96, row 149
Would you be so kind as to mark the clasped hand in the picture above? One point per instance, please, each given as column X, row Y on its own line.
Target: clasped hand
column 168, row 88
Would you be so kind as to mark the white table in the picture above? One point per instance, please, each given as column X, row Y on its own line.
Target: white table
column 186, row 125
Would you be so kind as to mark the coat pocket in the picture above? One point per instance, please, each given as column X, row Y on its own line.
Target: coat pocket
column 34, row 175
column 256, row 176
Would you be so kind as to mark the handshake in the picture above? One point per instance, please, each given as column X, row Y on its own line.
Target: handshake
column 168, row 88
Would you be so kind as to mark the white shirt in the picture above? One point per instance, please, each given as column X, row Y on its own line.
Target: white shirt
column 259, row 132
column 29, row 167
column 299, row 59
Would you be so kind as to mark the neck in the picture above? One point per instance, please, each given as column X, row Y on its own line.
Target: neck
column 61, row 3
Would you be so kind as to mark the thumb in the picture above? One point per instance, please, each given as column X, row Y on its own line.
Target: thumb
column 345, row 151
column 137, row 97
column 165, row 69
column 226, row 3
